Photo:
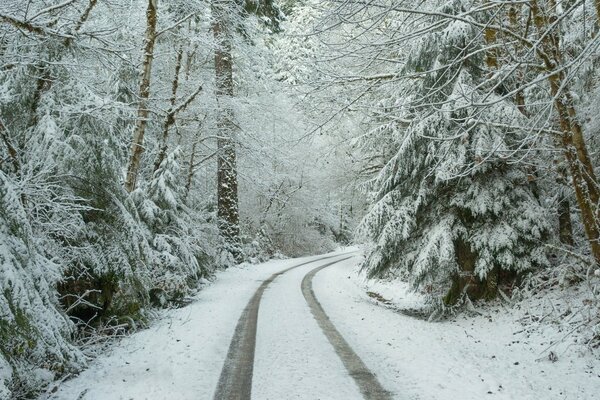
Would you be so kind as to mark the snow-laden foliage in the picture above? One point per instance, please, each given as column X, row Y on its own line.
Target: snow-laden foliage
column 143, row 144
column 82, row 254
column 179, row 251
column 33, row 328
column 453, row 210
column 475, row 120
column 287, row 203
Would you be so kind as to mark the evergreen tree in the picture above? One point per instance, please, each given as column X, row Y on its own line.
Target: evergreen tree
column 228, row 17
column 453, row 211
column 33, row 329
column 179, row 251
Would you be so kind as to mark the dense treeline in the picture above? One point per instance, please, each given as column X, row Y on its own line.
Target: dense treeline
column 144, row 144
column 121, row 125
column 478, row 137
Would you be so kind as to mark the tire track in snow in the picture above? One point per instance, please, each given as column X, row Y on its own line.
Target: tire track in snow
column 235, row 382
column 367, row 382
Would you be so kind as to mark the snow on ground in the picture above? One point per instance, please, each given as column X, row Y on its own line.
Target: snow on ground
column 465, row 358
column 180, row 356
column 294, row 359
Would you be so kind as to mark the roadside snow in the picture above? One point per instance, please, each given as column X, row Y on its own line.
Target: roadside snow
column 464, row 358
column 181, row 355
column 392, row 293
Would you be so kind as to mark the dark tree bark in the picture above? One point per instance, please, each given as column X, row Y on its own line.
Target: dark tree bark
column 587, row 191
column 190, row 175
column 227, row 186
column 565, row 226
column 464, row 280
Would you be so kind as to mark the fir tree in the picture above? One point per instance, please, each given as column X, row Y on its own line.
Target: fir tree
column 453, row 212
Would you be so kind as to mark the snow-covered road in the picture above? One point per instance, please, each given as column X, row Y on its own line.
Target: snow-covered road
column 236, row 381
column 182, row 356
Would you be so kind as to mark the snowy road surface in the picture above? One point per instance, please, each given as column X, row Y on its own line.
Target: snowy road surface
column 237, row 375
column 185, row 354
column 367, row 382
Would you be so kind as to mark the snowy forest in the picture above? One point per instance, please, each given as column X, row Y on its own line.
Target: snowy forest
column 146, row 145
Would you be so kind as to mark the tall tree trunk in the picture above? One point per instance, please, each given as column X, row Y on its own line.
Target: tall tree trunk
column 572, row 139
column 190, row 175
column 515, row 20
column 227, row 187
column 137, row 147
column 565, row 226
column 170, row 117
column 174, row 109
column 191, row 52
column 563, row 207
column 491, row 54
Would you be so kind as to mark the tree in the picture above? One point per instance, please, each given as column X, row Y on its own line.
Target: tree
column 224, row 15
column 80, row 257
column 227, row 19
column 452, row 88
column 452, row 210
column 137, row 147
column 573, row 142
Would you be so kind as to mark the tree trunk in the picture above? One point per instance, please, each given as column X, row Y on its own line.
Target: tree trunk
column 464, row 280
column 563, row 207
column 191, row 53
column 514, row 18
column 138, row 136
column 572, row 139
column 227, row 186
column 583, row 192
column 565, row 226
column 491, row 53
column 190, row 175
column 170, row 117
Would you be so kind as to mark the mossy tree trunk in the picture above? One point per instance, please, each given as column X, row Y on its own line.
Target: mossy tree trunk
column 227, row 186
column 572, row 141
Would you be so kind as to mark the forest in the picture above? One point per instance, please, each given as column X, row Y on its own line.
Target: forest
column 146, row 145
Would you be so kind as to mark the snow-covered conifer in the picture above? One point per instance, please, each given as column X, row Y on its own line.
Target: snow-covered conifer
column 453, row 211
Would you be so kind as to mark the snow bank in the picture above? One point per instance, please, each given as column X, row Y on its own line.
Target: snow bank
column 509, row 351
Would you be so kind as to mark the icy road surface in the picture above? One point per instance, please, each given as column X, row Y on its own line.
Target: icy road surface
column 207, row 350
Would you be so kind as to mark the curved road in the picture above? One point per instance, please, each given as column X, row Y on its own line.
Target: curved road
column 289, row 347
column 301, row 343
